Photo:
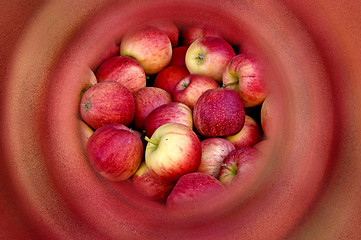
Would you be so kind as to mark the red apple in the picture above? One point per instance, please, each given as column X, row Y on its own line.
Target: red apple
column 214, row 150
column 172, row 151
column 194, row 190
column 114, row 153
column 146, row 100
column 209, row 56
column 219, row 112
column 192, row 33
column 173, row 112
column 249, row 135
column 169, row 28
column 179, row 56
column 191, row 87
column 239, row 165
column 150, row 186
column 168, row 77
column 244, row 74
column 151, row 47
column 124, row 70
column 107, row 102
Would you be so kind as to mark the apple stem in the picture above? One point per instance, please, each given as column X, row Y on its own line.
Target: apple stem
column 150, row 140
column 230, row 169
column 229, row 84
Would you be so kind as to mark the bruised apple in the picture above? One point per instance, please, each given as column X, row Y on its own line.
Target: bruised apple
column 107, row 102
column 114, row 153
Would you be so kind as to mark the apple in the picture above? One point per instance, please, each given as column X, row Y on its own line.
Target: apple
column 146, row 100
column 244, row 74
column 178, row 56
column 169, row 28
column 172, row 151
column 85, row 132
column 191, row 33
column 173, row 112
column 238, row 165
column 209, row 56
column 168, row 77
column 107, row 102
column 193, row 190
column 271, row 113
column 114, row 153
column 88, row 80
column 249, row 135
column 191, row 87
column 214, row 150
column 151, row 47
column 219, row 113
column 124, row 70
column 150, row 186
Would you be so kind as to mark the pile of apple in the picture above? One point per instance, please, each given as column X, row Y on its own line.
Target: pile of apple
column 167, row 112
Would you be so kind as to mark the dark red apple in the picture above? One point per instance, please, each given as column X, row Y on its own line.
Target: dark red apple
column 146, row 100
column 168, row 78
column 114, row 153
column 219, row 112
column 107, row 102
column 178, row 56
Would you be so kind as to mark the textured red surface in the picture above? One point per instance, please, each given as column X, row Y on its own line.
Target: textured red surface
column 310, row 191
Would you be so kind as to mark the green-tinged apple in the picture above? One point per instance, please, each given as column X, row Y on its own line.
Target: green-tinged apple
column 172, row 151
column 209, row 56
column 89, row 79
column 151, row 186
column 219, row 113
column 244, row 74
column 168, row 77
column 107, row 102
column 124, row 70
column 191, row 87
column 195, row 190
column 214, row 150
column 239, row 164
column 249, row 135
column 191, row 33
column 151, row 47
column 85, row 132
column 178, row 56
column 173, row 112
column 114, row 153
column 146, row 100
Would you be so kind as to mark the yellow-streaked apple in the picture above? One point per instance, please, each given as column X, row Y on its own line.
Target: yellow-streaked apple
column 172, row 151
column 209, row 56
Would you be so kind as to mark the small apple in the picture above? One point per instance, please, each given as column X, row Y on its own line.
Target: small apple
column 173, row 112
column 244, row 74
column 191, row 33
column 85, row 132
column 114, row 153
column 151, row 47
column 168, row 77
column 107, row 102
column 238, row 165
column 209, row 56
column 219, row 113
column 172, row 151
column 214, row 150
column 191, row 87
column 146, row 100
column 88, row 80
column 150, row 186
column 194, row 190
column 179, row 56
column 249, row 135
column 124, row 70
